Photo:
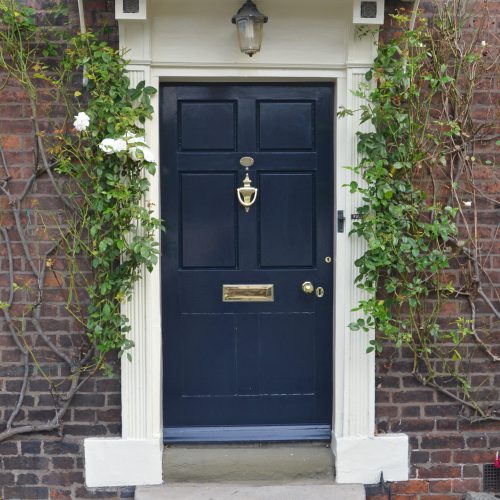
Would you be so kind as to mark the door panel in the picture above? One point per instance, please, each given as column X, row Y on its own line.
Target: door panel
column 207, row 202
column 196, row 131
column 254, row 366
column 285, row 125
column 287, row 221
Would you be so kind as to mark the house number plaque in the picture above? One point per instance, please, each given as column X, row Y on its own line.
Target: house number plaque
column 248, row 293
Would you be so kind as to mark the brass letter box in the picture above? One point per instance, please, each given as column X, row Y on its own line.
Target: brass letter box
column 248, row 293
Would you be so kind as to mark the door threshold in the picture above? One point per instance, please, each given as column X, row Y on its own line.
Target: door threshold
column 245, row 434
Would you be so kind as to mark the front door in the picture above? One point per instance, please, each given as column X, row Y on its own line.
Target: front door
column 247, row 362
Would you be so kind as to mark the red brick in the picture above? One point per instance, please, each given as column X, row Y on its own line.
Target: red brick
column 439, row 471
column 465, row 485
column 472, row 471
column 58, row 494
column 441, row 486
column 474, row 457
column 441, row 457
column 441, row 497
column 443, row 442
column 411, row 487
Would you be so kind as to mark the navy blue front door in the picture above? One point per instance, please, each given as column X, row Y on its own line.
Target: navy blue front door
column 246, row 370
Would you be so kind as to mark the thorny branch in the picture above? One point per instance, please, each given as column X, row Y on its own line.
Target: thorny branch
column 80, row 372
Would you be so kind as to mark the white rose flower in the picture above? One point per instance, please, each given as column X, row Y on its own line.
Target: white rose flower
column 110, row 146
column 135, row 140
column 82, row 121
column 119, row 145
column 131, row 138
column 107, row 145
column 138, row 153
column 467, row 203
column 133, row 154
column 148, row 155
column 483, row 43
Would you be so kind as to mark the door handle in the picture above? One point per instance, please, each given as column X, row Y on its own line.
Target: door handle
column 308, row 288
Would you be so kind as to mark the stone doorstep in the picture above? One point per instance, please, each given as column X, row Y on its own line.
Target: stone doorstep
column 249, row 465
column 244, row 492
column 291, row 471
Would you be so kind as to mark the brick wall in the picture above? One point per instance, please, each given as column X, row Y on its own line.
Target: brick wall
column 447, row 452
column 46, row 465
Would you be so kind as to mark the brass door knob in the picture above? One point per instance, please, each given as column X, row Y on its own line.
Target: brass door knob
column 307, row 287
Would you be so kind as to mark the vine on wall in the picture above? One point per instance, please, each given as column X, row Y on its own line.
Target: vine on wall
column 421, row 197
column 99, row 240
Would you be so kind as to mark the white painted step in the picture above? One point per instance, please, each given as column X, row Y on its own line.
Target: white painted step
column 245, row 492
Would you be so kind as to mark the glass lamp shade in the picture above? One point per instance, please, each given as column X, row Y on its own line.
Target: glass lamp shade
column 249, row 24
column 249, row 36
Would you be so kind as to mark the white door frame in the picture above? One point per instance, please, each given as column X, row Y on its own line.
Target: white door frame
column 360, row 455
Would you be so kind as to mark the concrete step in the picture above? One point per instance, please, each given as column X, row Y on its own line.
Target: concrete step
column 245, row 492
column 296, row 471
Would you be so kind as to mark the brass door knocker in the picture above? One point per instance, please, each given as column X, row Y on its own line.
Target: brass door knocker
column 246, row 193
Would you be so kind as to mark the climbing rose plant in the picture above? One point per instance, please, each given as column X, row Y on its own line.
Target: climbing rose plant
column 418, row 183
column 103, row 235
column 105, row 167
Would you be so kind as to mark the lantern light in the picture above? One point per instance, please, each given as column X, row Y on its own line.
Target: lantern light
column 249, row 24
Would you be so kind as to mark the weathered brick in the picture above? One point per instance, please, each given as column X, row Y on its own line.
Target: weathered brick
column 413, row 396
column 440, row 486
column 443, row 442
column 26, row 492
column 83, row 492
column 439, row 471
column 60, row 494
column 26, row 463
column 63, row 463
column 465, row 485
column 441, row 457
column 61, row 447
column 477, row 442
column 410, row 487
column 8, row 448
column 419, row 457
column 441, row 497
column 410, row 411
column 63, row 478
column 30, row 447
column 413, row 425
column 27, row 479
